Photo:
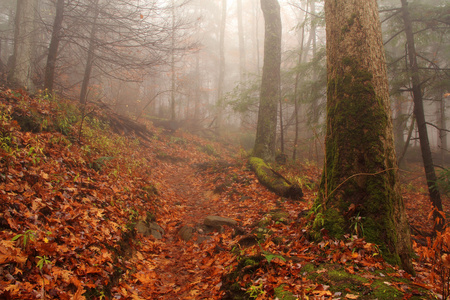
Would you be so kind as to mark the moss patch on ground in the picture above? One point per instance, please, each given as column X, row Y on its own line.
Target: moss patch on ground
column 345, row 280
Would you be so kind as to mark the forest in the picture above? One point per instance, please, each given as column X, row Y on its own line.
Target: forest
column 224, row 149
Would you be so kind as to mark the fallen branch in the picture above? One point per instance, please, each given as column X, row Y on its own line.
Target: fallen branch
column 274, row 181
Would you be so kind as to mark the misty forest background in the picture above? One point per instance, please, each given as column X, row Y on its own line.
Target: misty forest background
column 198, row 63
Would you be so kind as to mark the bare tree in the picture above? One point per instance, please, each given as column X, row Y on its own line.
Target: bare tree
column 242, row 60
column 270, row 86
column 420, row 118
column 54, row 45
column 21, row 73
column 221, row 77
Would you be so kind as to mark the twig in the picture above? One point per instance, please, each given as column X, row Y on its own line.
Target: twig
column 278, row 174
column 354, row 175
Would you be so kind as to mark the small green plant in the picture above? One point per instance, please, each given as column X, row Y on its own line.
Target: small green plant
column 270, row 256
column 43, row 260
column 356, row 225
column 255, row 291
column 34, row 153
column 443, row 181
column 100, row 162
column 6, row 139
column 6, row 143
column 178, row 140
column 209, row 149
column 27, row 237
column 315, row 212
column 132, row 214
column 282, row 294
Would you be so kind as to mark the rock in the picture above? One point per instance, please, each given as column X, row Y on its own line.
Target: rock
column 248, row 241
column 142, row 228
column 156, row 230
column 155, row 226
column 186, row 233
column 150, row 229
column 156, row 234
column 216, row 221
column 201, row 239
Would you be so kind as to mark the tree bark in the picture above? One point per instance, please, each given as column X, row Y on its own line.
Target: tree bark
column 419, row 113
column 267, row 116
column 256, row 40
column 242, row 60
column 406, row 144
column 53, row 48
column 443, row 128
column 281, row 126
column 22, row 70
column 221, row 78
column 172, row 66
column 296, row 93
column 274, row 181
column 360, row 180
column 90, row 55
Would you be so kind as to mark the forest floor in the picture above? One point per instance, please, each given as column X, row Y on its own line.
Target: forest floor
column 87, row 213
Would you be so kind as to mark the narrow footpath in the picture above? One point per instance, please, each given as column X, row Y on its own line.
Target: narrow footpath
column 193, row 269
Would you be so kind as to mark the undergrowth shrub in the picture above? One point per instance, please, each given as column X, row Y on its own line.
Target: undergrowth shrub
column 443, row 181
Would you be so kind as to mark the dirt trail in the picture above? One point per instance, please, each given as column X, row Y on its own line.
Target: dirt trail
column 188, row 270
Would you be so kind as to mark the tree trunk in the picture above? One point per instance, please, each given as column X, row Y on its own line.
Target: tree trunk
column 281, row 127
column 408, row 141
column 256, row 41
column 90, row 56
column 172, row 66
column 360, row 180
column 267, row 116
column 23, row 44
column 296, row 96
column 430, row 173
column 399, row 123
column 221, row 78
column 53, row 48
column 274, row 181
column 443, row 129
column 242, row 60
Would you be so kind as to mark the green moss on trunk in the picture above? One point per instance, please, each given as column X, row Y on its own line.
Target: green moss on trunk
column 273, row 181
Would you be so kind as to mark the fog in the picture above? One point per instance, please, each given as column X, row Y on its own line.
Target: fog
column 193, row 64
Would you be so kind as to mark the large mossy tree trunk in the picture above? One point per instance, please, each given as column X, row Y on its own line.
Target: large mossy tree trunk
column 360, row 180
column 267, row 116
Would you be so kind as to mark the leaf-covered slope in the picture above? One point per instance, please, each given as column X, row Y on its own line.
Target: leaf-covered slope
column 72, row 193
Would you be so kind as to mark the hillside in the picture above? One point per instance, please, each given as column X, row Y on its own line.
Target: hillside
column 88, row 212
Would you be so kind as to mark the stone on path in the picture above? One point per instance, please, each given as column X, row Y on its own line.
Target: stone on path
column 186, row 233
column 150, row 229
column 217, row 221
